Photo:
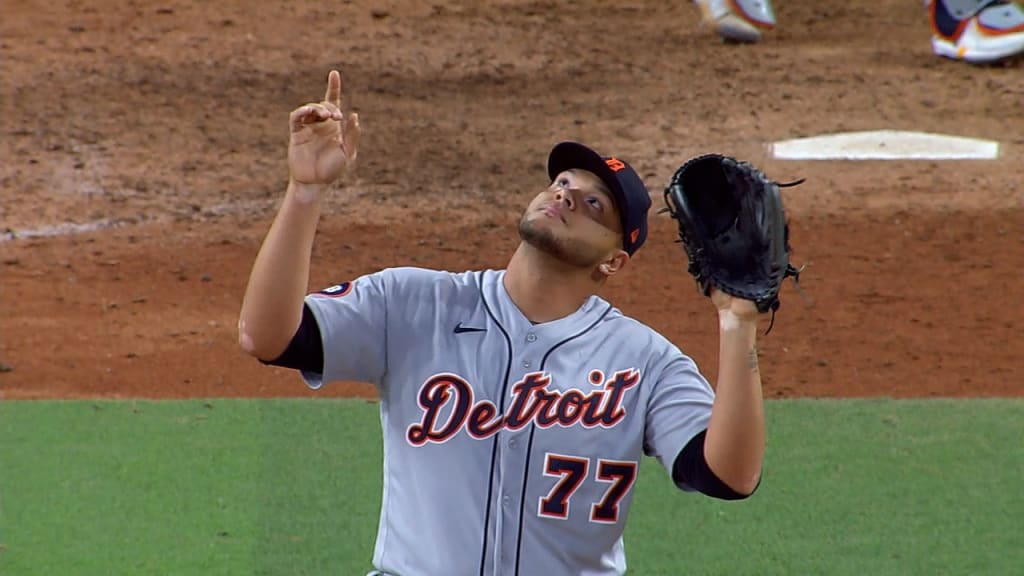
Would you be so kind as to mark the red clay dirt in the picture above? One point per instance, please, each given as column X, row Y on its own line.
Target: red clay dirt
column 165, row 124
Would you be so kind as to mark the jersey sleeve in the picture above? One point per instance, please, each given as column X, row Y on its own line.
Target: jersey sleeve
column 678, row 409
column 352, row 318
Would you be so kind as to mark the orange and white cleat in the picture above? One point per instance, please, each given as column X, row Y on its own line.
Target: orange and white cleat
column 977, row 31
column 738, row 20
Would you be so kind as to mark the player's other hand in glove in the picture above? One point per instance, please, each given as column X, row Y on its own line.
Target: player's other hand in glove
column 324, row 141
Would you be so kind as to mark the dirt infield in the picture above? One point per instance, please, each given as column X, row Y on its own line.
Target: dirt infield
column 164, row 126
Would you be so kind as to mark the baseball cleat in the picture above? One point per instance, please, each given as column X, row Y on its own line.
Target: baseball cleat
column 994, row 33
column 737, row 20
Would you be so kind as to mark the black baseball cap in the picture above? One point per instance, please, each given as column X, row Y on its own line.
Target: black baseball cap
column 630, row 194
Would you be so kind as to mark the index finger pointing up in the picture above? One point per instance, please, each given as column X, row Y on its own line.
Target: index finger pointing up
column 333, row 94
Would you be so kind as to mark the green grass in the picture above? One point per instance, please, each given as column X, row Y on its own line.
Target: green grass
column 293, row 487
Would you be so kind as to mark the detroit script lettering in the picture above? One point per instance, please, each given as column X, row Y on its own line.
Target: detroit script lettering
column 531, row 402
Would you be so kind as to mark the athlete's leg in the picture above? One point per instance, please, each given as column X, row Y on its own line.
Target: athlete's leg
column 977, row 31
column 738, row 20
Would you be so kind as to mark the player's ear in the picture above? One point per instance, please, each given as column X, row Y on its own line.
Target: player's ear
column 614, row 263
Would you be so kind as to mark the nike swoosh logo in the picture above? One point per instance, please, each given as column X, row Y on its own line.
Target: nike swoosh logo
column 459, row 329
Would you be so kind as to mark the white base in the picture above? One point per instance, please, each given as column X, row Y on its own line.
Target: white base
column 885, row 145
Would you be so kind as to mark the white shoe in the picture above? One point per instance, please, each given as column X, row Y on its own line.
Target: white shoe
column 995, row 33
column 738, row 20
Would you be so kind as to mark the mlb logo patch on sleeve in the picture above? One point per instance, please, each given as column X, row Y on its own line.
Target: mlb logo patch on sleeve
column 337, row 290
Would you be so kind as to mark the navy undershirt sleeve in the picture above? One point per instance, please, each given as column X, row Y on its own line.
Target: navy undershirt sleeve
column 691, row 469
column 306, row 350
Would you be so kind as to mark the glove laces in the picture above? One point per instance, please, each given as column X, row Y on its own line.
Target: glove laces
column 795, row 273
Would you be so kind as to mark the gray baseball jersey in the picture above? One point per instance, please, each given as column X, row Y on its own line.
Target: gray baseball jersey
column 510, row 448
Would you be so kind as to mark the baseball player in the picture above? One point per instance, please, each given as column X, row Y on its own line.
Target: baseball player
column 975, row 31
column 515, row 404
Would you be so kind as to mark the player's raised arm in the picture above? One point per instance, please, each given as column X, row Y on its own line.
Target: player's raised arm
column 735, row 442
column 732, row 222
column 323, row 145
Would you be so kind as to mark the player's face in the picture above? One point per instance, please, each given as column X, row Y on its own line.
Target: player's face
column 575, row 220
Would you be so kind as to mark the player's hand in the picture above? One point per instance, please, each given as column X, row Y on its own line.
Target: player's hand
column 324, row 143
column 740, row 309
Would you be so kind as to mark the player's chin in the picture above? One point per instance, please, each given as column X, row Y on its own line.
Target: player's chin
column 536, row 232
column 537, row 225
column 567, row 250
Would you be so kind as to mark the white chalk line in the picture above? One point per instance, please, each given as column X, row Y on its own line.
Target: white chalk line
column 64, row 229
column 72, row 228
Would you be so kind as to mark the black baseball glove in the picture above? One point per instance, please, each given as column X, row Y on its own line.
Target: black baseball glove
column 732, row 223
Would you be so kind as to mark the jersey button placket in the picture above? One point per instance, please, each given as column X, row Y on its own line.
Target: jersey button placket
column 530, row 338
column 513, row 457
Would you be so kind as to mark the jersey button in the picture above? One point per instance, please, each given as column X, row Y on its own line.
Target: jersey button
column 531, row 337
column 512, row 443
column 505, row 500
column 526, row 364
